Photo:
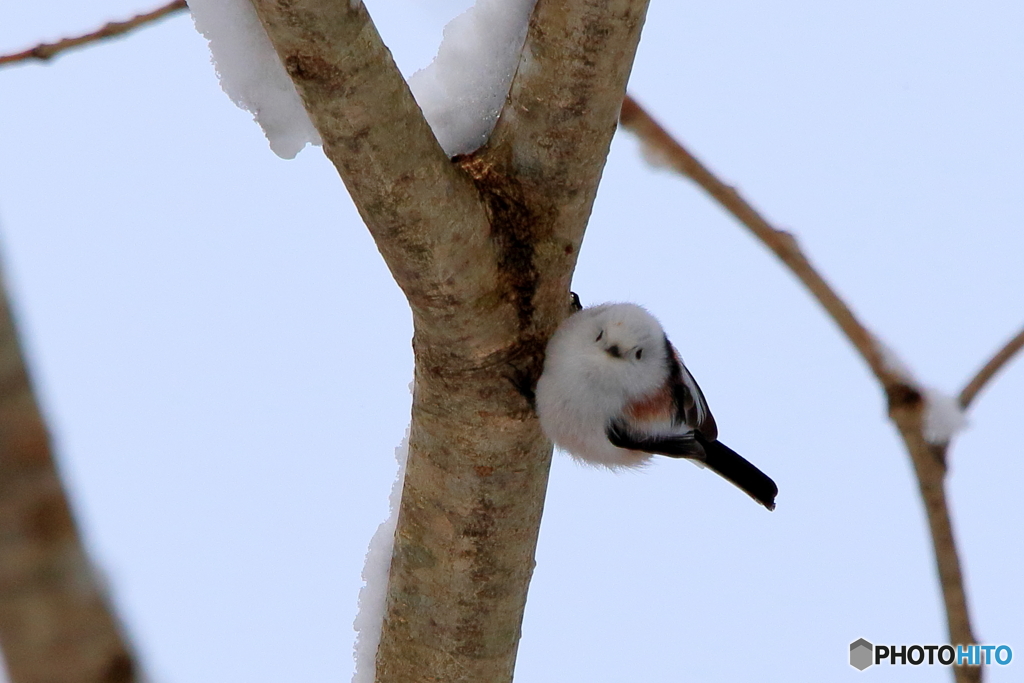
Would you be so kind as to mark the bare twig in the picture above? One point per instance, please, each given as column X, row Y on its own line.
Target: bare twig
column 906, row 405
column 47, row 51
column 782, row 243
column 990, row 369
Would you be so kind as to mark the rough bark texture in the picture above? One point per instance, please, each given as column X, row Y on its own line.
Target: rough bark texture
column 425, row 216
column 55, row 623
column 484, row 247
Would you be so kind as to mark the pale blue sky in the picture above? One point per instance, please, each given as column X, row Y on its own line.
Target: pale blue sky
column 225, row 360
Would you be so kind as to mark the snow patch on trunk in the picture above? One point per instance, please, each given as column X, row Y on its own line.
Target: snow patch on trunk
column 463, row 90
column 252, row 75
column 376, row 571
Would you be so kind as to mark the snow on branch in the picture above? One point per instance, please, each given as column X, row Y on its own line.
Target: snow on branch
column 252, row 75
column 943, row 415
column 460, row 93
column 464, row 88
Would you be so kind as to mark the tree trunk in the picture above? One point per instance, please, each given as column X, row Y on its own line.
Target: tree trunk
column 484, row 247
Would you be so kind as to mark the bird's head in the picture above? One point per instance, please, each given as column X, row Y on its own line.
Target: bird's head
column 627, row 343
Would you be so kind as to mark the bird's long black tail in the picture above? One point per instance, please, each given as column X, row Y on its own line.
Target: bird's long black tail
column 693, row 445
column 734, row 467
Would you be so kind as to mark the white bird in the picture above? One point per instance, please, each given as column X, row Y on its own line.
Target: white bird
column 614, row 391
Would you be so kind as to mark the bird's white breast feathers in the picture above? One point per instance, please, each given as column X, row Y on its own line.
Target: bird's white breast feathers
column 583, row 388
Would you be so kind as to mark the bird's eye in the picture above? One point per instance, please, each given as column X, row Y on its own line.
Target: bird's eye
column 600, row 336
column 639, row 353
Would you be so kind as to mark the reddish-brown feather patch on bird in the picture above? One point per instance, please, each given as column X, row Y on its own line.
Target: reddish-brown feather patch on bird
column 654, row 407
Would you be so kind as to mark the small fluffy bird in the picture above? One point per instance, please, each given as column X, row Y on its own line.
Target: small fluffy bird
column 614, row 391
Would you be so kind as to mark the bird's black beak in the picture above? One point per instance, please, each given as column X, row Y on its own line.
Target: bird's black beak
column 614, row 351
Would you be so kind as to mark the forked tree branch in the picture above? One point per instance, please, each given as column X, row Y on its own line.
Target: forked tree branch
column 46, row 51
column 483, row 247
column 906, row 404
column 423, row 212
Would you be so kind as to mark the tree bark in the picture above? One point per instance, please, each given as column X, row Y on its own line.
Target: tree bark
column 483, row 247
column 55, row 620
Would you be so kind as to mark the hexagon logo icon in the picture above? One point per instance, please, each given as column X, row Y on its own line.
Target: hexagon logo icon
column 861, row 654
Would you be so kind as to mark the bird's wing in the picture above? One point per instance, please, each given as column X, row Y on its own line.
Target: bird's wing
column 678, row 445
column 690, row 406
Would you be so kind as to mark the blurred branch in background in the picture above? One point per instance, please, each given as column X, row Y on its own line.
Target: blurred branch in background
column 907, row 402
column 56, row 623
column 661, row 148
column 47, row 51
column 990, row 369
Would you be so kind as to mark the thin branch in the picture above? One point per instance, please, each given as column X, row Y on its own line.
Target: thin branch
column 906, row 404
column 46, row 51
column 990, row 369
column 783, row 244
